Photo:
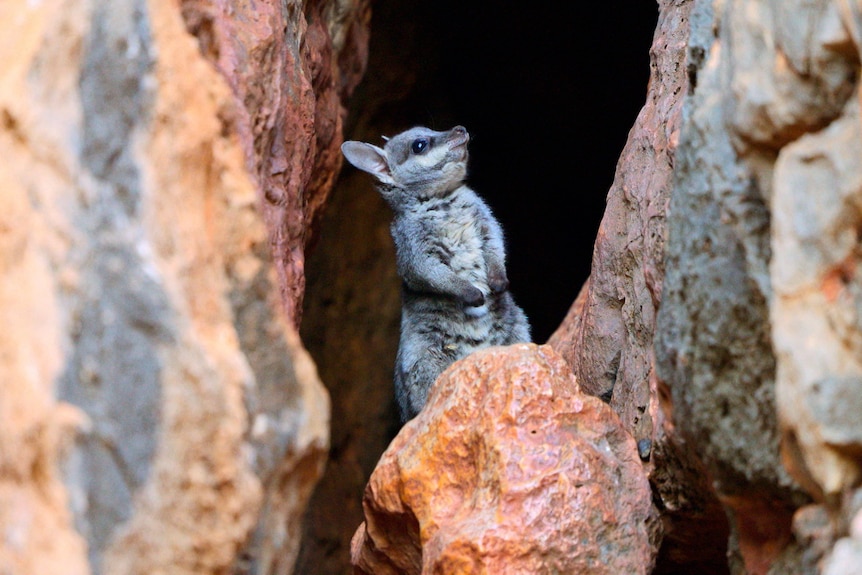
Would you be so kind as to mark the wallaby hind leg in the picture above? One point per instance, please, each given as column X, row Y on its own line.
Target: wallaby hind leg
column 414, row 380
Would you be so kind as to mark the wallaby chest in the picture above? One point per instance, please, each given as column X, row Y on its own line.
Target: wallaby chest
column 452, row 232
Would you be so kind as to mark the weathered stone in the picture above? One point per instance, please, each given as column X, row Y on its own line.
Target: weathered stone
column 777, row 48
column 165, row 166
column 152, row 284
column 509, row 469
column 607, row 336
column 759, row 75
column 817, row 309
column 713, row 341
column 36, row 121
column 762, row 74
column 845, row 559
column 288, row 65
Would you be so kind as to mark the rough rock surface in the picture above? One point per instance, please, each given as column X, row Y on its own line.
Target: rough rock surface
column 753, row 267
column 289, row 65
column 509, row 469
column 165, row 166
column 607, row 336
column 159, row 413
column 817, row 306
column 713, row 344
column 721, row 320
column 762, row 244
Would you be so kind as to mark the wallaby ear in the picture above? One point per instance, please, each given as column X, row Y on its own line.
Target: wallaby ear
column 368, row 158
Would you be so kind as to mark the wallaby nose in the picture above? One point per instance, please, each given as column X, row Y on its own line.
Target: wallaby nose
column 458, row 135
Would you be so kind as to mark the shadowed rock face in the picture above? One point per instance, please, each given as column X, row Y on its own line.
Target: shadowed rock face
column 607, row 336
column 509, row 469
column 429, row 64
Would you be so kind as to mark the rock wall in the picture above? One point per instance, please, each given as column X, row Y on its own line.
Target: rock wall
column 736, row 217
column 760, row 239
column 164, row 167
column 607, row 337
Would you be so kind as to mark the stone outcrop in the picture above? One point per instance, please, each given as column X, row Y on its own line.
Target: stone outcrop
column 164, row 167
column 607, row 336
column 754, row 333
column 289, row 66
column 737, row 217
column 509, row 469
column 718, row 151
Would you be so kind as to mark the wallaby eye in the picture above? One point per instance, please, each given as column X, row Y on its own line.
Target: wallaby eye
column 418, row 146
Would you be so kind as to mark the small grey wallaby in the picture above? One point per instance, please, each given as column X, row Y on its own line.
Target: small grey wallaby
column 450, row 256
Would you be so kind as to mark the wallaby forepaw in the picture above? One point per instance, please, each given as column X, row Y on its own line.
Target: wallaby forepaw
column 474, row 297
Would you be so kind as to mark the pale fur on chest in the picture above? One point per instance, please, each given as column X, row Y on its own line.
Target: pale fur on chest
column 455, row 226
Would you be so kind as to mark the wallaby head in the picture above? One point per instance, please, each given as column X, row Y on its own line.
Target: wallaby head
column 420, row 161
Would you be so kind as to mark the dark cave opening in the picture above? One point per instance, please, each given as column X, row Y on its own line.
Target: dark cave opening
column 549, row 97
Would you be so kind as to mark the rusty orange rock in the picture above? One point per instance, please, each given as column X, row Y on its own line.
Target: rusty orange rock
column 509, row 469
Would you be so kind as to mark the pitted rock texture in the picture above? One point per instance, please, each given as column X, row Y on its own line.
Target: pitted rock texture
column 165, row 167
column 289, row 66
column 509, row 469
column 607, row 336
column 737, row 218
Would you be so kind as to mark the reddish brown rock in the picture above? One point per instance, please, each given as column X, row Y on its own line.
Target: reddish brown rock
column 288, row 71
column 151, row 280
column 607, row 336
column 509, row 469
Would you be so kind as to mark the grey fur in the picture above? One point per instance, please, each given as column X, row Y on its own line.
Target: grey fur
column 450, row 256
